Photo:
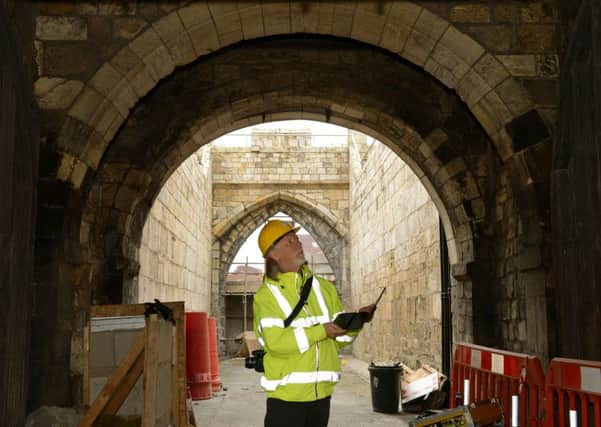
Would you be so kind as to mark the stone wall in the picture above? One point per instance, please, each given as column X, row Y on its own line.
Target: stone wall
column 275, row 165
column 175, row 255
column 395, row 243
column 285, row 161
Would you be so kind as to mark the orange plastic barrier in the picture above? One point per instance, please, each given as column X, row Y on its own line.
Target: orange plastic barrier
column 500, row 374
column 214, row 356
column 573, row 385
column 198, row 367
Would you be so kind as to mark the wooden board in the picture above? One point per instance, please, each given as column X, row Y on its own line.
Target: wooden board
column 113, row 382
column 180, row 410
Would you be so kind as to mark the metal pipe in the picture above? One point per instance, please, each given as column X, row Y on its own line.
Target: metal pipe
column 445, row 297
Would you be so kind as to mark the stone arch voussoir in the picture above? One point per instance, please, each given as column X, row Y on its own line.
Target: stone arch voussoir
column 405, row 29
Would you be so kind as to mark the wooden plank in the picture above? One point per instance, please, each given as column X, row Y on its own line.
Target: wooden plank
column 174, row 378
column 179, row 316
column 86, row 365
column 180, row 415
column 113, row 382
column 125, row 387
column 150, row 371
column 117, row 310
column 127, row 309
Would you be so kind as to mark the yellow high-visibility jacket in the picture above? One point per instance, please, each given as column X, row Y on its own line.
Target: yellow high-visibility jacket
column 301, row 363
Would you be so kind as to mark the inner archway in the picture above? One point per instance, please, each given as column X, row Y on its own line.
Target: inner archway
column 439, row 138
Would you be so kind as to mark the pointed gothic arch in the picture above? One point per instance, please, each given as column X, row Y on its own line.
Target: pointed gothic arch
column 230, row 234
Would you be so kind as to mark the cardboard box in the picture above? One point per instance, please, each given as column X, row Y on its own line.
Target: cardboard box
column 420, row 382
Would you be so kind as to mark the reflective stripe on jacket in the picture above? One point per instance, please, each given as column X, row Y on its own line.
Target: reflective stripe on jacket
column 301, row 363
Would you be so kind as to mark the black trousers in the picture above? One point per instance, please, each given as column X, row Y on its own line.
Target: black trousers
column 297, row 414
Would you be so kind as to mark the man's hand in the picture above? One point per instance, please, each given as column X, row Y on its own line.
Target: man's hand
column 333, row 330
column 368, row 309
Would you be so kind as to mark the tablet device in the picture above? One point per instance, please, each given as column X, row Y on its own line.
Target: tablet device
column 351, row 321
column 356, row 319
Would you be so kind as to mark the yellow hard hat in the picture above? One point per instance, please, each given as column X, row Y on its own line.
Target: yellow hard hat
column 272, row 232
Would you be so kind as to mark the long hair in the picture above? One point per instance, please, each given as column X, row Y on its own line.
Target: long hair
column 271, row 268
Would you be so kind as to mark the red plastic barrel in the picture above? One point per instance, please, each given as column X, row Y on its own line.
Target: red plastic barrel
column 198, row 366
column 213, row 355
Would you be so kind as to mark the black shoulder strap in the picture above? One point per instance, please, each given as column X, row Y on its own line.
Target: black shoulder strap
column 303, row 298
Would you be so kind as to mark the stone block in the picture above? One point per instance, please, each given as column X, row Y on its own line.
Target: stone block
column 159, row 62
column 204, row 38
column 445, row 72
column 343, row 19
column 117, row 7
column 418, row 47
column 100, row 28
column 276, row 17
column 430, row 25
column 403, row 13
column 72, row 60
column 367, row 27
column 104, row 116
column 56, row 93
column 519, row 65
column 61, row 28
column 547, row 65
column 128, row 27
column 514, row 96
column 472, row 87
column 495, row 38
column 537, row 37
column 146, row 43
column 491, row 70
column 509, row 13
column 194, row 15
column 472, row 13
column 539, row 12
column 105, row 80
column 86, row 104
column 503, row 143
column 251, row 19
column 468, row 50
column 171, row 30
column 491, row 112
column 394, row 37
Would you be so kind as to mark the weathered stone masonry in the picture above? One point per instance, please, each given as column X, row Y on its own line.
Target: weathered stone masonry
column 279, row 173
column 395, row 243
column 175, row 252
column 114, row 141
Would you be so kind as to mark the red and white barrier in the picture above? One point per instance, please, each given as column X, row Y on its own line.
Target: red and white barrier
column 573, row 393
column 500, row 374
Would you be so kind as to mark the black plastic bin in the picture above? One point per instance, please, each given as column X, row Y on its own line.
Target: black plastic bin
column 385, row 388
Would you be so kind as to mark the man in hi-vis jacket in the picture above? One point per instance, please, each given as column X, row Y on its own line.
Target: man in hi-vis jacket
column 301, row 360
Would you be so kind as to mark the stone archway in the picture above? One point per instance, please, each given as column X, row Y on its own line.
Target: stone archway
column 407, row 30
column 229, row 235
column 117, row 195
